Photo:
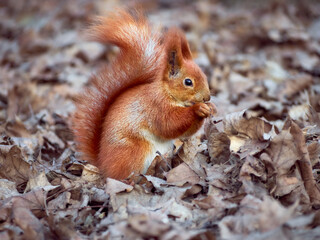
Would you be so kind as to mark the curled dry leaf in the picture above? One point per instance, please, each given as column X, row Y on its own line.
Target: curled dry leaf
column 159, row 166
column 248, row 135
column 218, row 144
column 90, row 173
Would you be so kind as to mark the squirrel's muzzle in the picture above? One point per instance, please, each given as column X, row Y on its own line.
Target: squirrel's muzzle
column 206, row 98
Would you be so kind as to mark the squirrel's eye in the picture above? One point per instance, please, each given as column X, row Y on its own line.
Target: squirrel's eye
column 188, row 82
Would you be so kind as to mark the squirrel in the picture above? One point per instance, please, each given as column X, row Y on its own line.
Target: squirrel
column 151, row 93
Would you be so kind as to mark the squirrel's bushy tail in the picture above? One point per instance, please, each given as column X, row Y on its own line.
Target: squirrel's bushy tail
column 138, row 62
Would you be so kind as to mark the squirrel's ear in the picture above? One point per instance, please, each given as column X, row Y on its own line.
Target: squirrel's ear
column 177, row 50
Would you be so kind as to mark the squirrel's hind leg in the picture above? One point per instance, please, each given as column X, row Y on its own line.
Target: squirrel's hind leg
column 122, row 161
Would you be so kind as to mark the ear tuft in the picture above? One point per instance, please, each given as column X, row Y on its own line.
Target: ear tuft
column 172, row 63
column 177, row 49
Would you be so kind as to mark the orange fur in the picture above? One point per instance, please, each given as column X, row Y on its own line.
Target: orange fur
column 139, row 103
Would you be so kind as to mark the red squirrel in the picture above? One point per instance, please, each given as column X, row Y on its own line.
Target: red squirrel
column 152, row 93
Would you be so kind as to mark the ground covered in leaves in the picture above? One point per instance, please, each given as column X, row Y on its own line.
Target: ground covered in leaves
column 252, row 172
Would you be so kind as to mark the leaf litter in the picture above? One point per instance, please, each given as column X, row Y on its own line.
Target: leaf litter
column 252, row 172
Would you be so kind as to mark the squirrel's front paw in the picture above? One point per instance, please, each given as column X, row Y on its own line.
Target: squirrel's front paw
column 213, row 108
column 205, row 109
column 202, row 110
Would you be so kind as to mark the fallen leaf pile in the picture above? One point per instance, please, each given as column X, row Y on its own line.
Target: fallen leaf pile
column 252, row 172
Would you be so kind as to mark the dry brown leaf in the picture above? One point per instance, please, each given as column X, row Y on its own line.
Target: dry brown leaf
column 282, row 156
column 39, row 180
column 305, row 164
column 5, row 235
column 89, row 51
column 31, row 226
column 283, row 152
column 212, row 201
column 299, row 112
column 60, row 202
column 255, row 215
column 252, row 147
column 34, row 200
column 90, row 173
column 114, row 186
column 177, row 210
column 181, row 175
column 294, row 85
column 253, row 127
column 13, row 166
column 189, row 149
column 304, row 60
column 25, row 99
column 158, row 183
column 7, row 189
column 159, row 166
column 64, row 228
column 218, row 144
column 32, row 43
column 314, row 152
column 98, row 195
column 147, row 226
column 16, row 128
column 194, row 190
column 190, row 154
column 238, row 85
column 217, row 177
column 253, row 166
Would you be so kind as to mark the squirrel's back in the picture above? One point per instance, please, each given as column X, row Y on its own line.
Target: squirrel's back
column 138, row 62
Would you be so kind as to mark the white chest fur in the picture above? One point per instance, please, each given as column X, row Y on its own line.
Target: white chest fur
column 157, row 145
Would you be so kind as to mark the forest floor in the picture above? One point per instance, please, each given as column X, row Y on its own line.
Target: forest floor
column 252, row 172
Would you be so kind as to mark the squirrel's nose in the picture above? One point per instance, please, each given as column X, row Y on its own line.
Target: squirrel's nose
column 206, row 98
